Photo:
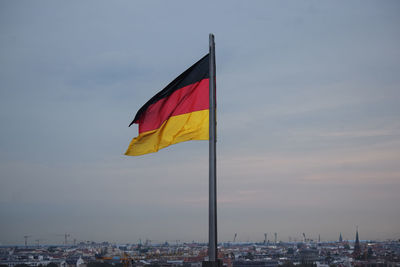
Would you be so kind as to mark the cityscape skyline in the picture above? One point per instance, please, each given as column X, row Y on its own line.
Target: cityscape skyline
column 308, row 120
column 265, row 254
column 269, row 238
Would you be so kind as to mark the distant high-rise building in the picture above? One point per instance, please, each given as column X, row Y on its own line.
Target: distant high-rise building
column 340, row 238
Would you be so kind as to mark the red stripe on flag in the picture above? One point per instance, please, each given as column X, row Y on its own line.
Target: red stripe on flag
column 193, row 97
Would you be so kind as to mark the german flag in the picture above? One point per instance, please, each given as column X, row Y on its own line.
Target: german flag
column 178, row 113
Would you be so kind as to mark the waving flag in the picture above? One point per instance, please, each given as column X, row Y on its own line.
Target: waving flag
column 178, row 113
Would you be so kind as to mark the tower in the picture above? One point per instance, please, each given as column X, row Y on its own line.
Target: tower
column 26, row 239
column 357, row 248
column 66, row 238
column 340, row 238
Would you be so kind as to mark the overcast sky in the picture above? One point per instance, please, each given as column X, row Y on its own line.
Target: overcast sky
column 308, row 99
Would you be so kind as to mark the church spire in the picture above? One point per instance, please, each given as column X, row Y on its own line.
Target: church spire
column 357, row 240
column 357, row 248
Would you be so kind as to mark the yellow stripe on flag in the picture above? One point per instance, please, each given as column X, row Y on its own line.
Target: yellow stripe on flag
column 181, row 128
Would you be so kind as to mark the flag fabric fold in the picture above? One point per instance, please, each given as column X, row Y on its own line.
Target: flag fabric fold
column 178, row 113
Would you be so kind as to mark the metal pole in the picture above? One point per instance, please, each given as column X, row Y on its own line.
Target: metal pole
column 212, row 230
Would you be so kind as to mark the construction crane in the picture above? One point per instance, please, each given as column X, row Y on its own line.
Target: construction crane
column 26, row 239
column 65, row 235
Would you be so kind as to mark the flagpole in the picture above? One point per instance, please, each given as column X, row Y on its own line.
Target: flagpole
column 212, row 208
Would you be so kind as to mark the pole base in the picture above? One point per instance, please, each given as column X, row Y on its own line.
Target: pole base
column 217, row 263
